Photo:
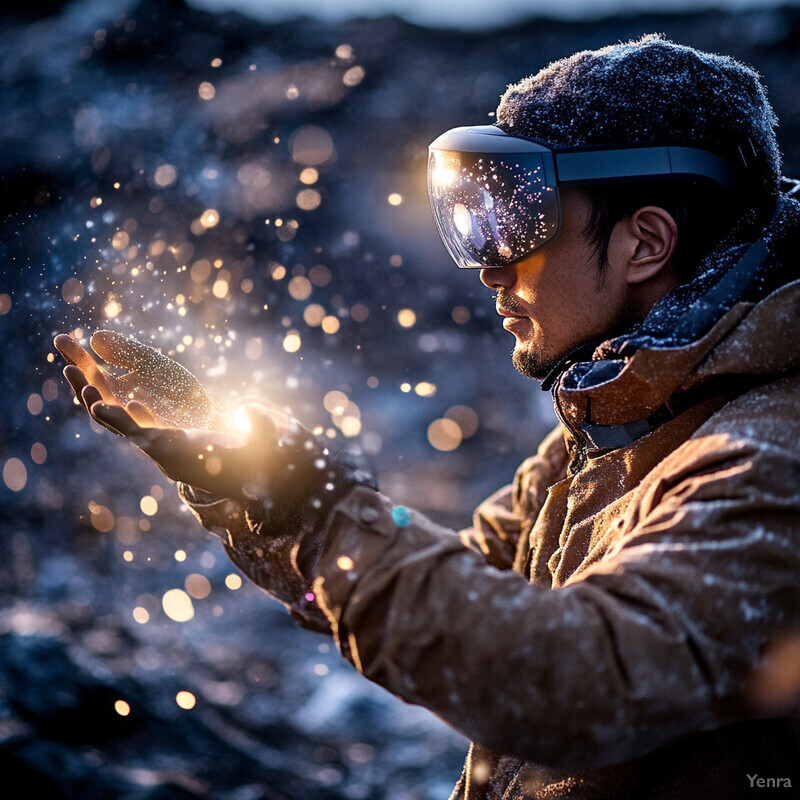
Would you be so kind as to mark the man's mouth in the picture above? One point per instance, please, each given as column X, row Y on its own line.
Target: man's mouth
column 508, row 306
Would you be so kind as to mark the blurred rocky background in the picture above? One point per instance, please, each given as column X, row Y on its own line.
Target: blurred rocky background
column 250, row 198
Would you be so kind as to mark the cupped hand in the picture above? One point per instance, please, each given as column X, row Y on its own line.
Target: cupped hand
column 171, row 394
column 278, row 458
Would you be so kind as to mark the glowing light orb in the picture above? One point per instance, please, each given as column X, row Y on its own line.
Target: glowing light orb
column 185, row 700
column 233, row 581
column 177, row 605
column 15, row 475
column 444, row 435
column 406, row 318
column 149, row 505
column 122, row 708
column 206, row 91
column 292, row 342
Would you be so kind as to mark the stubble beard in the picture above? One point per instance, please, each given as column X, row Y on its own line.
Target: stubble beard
column 536, row 364
column 533, row 362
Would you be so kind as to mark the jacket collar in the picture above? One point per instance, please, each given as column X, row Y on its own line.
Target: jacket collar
column 731, row 319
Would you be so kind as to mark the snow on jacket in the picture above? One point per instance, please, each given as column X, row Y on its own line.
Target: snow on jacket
column 598, row 631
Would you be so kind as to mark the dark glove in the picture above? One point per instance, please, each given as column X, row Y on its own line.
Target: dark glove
column 276, row 535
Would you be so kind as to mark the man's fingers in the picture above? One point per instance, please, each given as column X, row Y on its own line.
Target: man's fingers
column 141, row 414
column 91, row 395
column 77, row 380
column 118, row 419
column 74, row 353
column 172, row 393
column 77, row 356
column 122, row 351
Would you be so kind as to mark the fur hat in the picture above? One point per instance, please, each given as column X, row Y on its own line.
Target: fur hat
column 650, row 90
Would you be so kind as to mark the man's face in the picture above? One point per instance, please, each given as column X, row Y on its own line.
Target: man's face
column 556, row 299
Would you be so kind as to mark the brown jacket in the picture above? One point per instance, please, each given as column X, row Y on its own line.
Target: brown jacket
column 620, row 662
column 598, row 631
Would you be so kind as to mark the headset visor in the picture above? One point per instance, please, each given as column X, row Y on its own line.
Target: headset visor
column 491, row 208
column 495, row 196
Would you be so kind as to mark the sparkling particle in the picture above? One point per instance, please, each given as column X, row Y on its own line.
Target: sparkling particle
column 461, row 315
column 395, row 199
column 122, row 708
column 313, row 314
column 38, row 453
column 299, row 287
column 320, row 275
column 120, row 240
column 335, row 402
column 209, row 218
column 406, row 318
column 254, row 348
column 233, row 581
column 72, row 291
column 466, row 418
column 353, row 76
column 149, row 505
column 292, row 342
column 165, row 175
column 35, row 404
column 141, row 615
column 15, row 476
column 308, row 199
column 311, row 146
column 50, row 389
column 200, row 270
column 177, row 605
column 198, row 586
column 444, row 435
column 345, row 563
column 185, row 700
column 359, row 312
column 330, row 324
column 344, row 52
column 101, row 518
column 206, row 91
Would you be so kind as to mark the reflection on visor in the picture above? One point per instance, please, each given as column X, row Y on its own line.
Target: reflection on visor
column 491, row 210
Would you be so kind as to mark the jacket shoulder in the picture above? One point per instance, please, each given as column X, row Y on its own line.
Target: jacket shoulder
column 767, row 414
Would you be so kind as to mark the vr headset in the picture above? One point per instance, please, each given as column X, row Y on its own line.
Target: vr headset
column 495, row 196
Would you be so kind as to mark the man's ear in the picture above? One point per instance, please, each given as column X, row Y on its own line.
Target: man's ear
column 653, row 235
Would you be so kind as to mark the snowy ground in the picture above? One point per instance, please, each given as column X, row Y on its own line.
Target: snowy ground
column 148, row 154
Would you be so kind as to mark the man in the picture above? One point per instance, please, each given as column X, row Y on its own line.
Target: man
column 611, row 624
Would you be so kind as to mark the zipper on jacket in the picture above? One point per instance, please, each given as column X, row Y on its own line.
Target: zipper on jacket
column 581, row 451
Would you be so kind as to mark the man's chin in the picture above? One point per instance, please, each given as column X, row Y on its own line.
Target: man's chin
column 534, row 364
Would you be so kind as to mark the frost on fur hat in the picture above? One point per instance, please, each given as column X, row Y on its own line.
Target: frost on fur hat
column 649, row 90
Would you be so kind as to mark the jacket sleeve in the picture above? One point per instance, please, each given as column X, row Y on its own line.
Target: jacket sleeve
column 506, row 517
column 656, row 640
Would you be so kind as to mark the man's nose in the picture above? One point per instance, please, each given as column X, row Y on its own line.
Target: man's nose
column 499, row 277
